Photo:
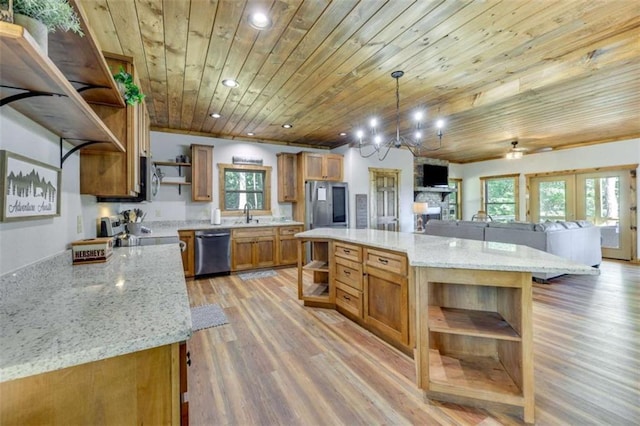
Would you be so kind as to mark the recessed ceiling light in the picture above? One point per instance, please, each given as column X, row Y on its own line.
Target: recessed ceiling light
column 259, row 21
column 343, row 134
column 287, row 125
column 250, row 134
column 216, row 115
column 229, row 82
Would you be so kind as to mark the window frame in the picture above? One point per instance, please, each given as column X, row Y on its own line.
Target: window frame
column 457, row 183
column 516, row 189
column 266, row 194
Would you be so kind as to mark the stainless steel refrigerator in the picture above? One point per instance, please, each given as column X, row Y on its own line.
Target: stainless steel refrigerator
column 327, row 204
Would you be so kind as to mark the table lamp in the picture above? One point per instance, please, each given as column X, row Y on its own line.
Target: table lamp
column 420, row 209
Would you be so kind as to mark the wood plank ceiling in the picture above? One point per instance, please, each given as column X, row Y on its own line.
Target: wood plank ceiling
column 548, row 73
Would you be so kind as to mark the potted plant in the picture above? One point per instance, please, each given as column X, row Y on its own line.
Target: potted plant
column 41, row 17
column 130, row 91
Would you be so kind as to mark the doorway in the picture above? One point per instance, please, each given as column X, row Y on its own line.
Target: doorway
column 602, row 197
column 384, row 198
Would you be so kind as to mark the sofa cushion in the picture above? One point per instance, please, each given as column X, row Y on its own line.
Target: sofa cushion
column 584, row 223
column 549, row 226
column 569, row 224
column 513, row 225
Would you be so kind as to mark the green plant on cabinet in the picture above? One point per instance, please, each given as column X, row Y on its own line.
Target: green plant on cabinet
column 54, row 14
column 132, row 94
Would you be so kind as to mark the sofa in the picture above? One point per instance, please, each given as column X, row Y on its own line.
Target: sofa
column 575, row 240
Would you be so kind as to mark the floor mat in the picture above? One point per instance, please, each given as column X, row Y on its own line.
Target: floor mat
column 206, row 316
column 258, row 274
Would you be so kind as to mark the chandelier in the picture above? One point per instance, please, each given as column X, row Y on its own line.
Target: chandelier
column 374, row 143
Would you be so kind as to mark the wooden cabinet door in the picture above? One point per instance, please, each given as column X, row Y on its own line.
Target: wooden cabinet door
column 288, row 251
column 287, row 176
column 333, row 167
column 201, row 172
column 314, row 166
column 386, row 304
column 241, row 253
column 264, row 252
column 287, row 245
column 188, row 255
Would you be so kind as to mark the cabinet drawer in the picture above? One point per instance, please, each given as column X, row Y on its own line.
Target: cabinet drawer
column 289, row 230
column 349, row 299
column 391, row 262
column 252, row 232
column 349, row 273
column 348, row 251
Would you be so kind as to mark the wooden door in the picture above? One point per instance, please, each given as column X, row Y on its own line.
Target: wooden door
column 384, row 199
column 201, row 172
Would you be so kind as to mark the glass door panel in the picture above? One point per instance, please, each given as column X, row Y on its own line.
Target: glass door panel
column 552, row 198
column 602, row 202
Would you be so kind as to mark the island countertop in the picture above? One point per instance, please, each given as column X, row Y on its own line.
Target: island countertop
column 444, row 252
column 55, row 315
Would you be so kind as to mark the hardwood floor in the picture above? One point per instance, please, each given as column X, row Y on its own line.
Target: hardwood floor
column 277, row 362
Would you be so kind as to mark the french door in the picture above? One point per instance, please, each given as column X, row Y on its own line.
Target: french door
column 602, row 198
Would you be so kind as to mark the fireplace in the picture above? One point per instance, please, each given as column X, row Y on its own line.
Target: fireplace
column 434, row 213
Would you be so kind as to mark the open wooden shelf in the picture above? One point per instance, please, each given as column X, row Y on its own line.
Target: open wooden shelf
column 171, row 163
column 317, row 265
column 480, row 377
column 86, row 66
column 471, row 323
column 175, row 183
column 25, row 68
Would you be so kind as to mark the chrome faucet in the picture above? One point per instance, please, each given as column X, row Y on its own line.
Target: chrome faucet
column 246, row 210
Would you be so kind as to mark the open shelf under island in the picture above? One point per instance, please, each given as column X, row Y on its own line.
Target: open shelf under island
column 462, row 308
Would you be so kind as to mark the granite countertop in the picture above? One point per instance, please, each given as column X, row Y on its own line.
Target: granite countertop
column 171, row 228
column 445, row 252
column 55, row 315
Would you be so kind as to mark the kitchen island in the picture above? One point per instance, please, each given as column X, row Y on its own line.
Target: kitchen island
column 94, row 341
column 463, row 306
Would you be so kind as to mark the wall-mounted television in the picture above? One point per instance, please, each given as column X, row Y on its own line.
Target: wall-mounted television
column 435, row 175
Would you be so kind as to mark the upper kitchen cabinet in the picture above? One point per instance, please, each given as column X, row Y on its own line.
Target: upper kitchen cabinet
column 110, row 174
column 287, row 175
column 201, row 172
column 39, row 87
column 321, row 166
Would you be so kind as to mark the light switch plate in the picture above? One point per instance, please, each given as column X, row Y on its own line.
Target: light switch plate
column 79, row 224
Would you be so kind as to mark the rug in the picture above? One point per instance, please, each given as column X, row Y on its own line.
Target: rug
column 258, row 274
column 206, row 316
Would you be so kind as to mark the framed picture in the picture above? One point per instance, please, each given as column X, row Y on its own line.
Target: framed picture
column 30, row 189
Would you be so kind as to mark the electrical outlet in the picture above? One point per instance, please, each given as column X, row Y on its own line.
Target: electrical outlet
column 158, row 213
column 79, row 224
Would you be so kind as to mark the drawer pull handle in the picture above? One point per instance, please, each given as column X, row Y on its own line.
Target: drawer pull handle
column 383, row 261
column 346, row 298
column 347, row 273
column 346, row 251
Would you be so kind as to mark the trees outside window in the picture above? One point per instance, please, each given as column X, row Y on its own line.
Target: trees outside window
column 500, row 197
column 245, row 184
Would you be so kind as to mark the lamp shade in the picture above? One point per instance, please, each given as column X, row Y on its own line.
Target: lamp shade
column 420, row 208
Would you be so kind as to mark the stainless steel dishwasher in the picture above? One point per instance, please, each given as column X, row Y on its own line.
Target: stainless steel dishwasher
column 213, row 251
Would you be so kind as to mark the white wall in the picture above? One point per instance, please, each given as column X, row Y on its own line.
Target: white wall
column 27, row 241
column 356, row 172
column 602, row 155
